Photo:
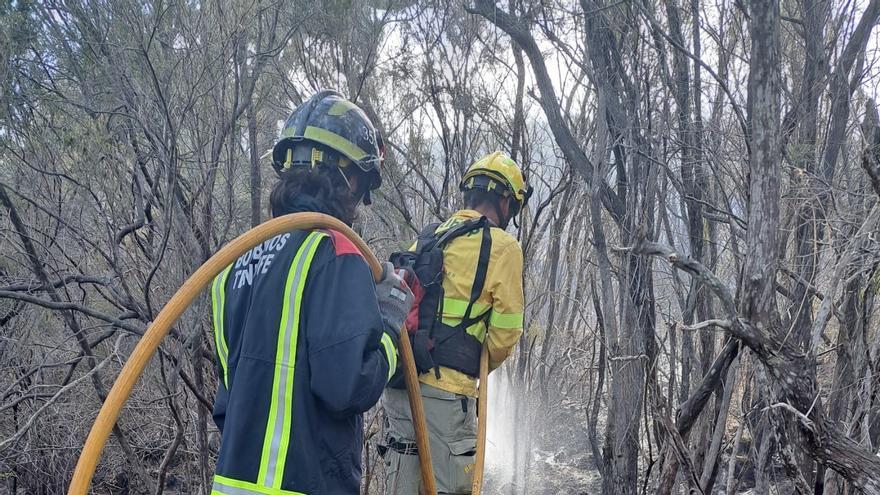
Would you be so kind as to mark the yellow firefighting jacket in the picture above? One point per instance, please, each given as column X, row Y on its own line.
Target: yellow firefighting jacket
column 502, row 293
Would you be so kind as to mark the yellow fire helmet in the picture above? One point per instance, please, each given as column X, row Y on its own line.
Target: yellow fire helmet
column 497, row 172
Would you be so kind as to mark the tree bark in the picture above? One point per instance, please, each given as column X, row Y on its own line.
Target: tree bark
column 519, row 32
column 256, row 180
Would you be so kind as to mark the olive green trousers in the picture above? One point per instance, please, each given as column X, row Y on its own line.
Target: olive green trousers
column 452, row 430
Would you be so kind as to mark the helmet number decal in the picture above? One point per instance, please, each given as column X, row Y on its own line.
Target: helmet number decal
column 368, row 135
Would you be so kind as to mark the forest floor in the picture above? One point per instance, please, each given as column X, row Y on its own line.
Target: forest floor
column 552, row 473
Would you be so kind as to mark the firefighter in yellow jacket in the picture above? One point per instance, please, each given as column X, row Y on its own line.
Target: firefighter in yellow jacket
column 471, row 273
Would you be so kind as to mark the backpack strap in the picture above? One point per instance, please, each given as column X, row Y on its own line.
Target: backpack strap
column 459, row 230
column 454, row 347
column 440, row 241
column 482, row 268
column 480, row 276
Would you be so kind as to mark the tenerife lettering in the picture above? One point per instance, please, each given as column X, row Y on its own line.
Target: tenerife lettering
column 256, row 262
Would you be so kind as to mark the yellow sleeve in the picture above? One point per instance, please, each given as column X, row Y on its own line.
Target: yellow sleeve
column 506, row 319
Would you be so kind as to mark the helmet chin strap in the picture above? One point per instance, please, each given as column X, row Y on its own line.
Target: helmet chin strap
column 345, row 178
column 518, row 216
column 359, row 192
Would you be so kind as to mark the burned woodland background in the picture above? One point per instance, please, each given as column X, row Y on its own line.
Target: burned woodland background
column 702, row 252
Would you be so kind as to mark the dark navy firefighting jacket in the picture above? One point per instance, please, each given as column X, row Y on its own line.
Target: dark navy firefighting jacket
column 302, row 353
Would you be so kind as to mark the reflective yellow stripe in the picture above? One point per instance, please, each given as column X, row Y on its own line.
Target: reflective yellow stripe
column 341, row 107
column 390, row 353
column 455, row 308
column 229, row 486
column 277, row 437
column 477, row 330
column 218, row 306
column 509, row 320
column 335, row 141
column 453, row 313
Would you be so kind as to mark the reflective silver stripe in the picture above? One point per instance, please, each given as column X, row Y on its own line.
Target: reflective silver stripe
column 222, row 489
column 218, row 303
column 288, row 346
column 229, row 486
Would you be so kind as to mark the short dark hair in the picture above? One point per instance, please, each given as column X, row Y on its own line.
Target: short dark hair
column 474, row 198
column 324, row 185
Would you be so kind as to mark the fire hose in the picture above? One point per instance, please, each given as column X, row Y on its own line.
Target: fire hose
column 482, row 412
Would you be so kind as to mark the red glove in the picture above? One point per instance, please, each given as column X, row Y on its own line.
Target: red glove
column 412, row 319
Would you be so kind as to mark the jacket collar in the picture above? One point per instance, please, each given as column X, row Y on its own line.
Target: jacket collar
column 468, row 214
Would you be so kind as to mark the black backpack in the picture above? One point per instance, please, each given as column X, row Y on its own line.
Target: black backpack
column 449, row 346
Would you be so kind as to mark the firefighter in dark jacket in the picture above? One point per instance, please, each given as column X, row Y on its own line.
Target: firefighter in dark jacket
column 305, row 339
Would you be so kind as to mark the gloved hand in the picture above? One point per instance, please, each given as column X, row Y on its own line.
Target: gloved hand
column 395, row 300
column 422, row 345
